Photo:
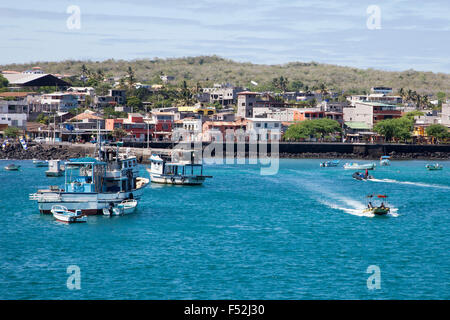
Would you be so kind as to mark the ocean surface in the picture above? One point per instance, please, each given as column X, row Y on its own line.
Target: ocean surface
column 299, row 234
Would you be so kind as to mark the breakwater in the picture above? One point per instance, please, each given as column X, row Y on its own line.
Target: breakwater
column 285, row 149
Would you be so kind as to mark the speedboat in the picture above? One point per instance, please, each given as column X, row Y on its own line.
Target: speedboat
column 61, row 213
column 357, row 166
column 435, row 166
column 384, row 161
column 377, row 209
column 333, row 163
column 361, row 176
column 12, row 167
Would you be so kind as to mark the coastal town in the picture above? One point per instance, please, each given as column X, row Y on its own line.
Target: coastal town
column 52, row 108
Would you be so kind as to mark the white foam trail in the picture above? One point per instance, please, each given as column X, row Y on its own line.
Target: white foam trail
column 356, row 211
column 419, row 184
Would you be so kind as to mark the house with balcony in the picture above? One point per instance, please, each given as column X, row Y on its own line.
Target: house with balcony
column 137, row 129
column 265, row 129
column 215, row 130
column 57, row 102
column 163, row 124
column 371, row 112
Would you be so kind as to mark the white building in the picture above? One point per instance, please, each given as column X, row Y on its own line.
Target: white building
column 58, row 101
column 445, row 116
column 265, row 129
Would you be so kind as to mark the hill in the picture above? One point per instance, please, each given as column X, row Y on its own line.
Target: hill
column 212, row 69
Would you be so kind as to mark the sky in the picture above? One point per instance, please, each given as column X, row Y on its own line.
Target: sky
column 397, row 35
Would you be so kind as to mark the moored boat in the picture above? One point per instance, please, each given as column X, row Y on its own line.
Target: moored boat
column 40, row 163
column 435, row 166
column 358, row 166
column 61, row 213
column 12, row 167
column 177, row 173
column 54, row 169
column 91, row 184
column 333, row 163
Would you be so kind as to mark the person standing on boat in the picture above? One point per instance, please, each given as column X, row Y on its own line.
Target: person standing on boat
column 366, row 174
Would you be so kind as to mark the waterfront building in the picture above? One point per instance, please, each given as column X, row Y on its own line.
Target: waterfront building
column 211, row 130
column 134, row 125
column 265, row 129
column 370, row 112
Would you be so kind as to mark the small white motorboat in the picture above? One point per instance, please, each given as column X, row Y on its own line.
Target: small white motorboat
column 62, row 214
column 357, row 166
column 125, row 207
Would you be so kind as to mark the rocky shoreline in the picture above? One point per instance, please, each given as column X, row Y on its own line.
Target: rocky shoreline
column 64, row 152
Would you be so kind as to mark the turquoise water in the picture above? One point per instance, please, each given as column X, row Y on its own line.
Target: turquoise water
column 300, row 234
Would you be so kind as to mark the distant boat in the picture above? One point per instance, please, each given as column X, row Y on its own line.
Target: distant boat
column 12, row 167
column 378, row 209
column 357, row 166
column 385, row 161
column 435, row 166
column 62, row 214
column 54, row 169
column 333, row 163
column 40, row 163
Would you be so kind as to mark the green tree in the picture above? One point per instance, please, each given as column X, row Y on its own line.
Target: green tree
column 11, row 132
column 317, row 128
column 134, row 102
column 399, row 128
column 119, row 133
column 438, row 131
column 3, row 82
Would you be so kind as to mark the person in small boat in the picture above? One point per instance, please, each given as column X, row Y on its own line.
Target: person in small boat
column 370, row 206
column 366, row 174
column 382, row 205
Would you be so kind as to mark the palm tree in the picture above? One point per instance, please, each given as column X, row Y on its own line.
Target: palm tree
column 131, row 79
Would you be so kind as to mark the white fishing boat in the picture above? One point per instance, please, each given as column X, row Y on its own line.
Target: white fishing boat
column 61, row 213
column 178, row 173
column 358, row 166
column 91, row 184
column 55, row 169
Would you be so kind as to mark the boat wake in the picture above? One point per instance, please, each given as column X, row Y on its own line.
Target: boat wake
column 349, row 206
column 419, row 184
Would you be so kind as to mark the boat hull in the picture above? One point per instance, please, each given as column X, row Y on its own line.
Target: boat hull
column 177, row 180
column 88, row 203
